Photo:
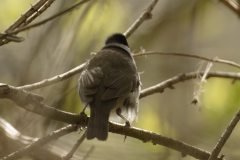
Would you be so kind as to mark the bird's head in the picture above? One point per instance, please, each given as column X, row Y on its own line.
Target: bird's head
column 116, row 38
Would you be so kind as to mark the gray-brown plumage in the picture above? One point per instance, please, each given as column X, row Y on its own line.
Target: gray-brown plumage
column 110, row 84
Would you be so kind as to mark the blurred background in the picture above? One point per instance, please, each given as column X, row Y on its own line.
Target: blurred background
column 203, row 27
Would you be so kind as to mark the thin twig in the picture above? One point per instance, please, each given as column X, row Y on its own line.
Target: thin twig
column 159, row 88
column 144, row 16
column 50, row 81
column 75, row 147
column 48, row 19
column 40, row 142
column 40, row 11
column 225, row 136
column 217, row 60
column 78, row 69
column 232, row 5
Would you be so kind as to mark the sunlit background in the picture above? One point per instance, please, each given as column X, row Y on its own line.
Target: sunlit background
column 203, row 27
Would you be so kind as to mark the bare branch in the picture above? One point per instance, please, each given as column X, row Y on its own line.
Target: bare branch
column 53, row 80
column 75, row 147
column 225, row 136
column 154, row 138
column 17, row 140
column 28, row 101
column 32, row 103
column 232, row 5
column 26, row 18
column 40, row 142
column 185, row 76
column 144, row 16
column 13, row 38
column 217, row 60
column 143, row 135
column 78, row 69
column 48, row 19
column 23, row 18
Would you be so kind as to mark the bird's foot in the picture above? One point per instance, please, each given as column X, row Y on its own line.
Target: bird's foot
column 82, row 113
column 127, row 124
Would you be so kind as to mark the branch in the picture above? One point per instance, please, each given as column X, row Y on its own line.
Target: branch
column 225, row 136
column 40, row 142
column 23, row 18
column 185, row 76
column 16, row 140
column 53, row 80
column 232, row 5
column 40, row 11
column 154, row 138
column 143, row 135
column 75, row 147
column 144, row 16
column 33, row 12
column 48, row 19
column 217, row 60
column 13, row 38
column 33, row 103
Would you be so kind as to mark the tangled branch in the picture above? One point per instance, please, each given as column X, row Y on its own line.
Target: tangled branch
column 33, row 103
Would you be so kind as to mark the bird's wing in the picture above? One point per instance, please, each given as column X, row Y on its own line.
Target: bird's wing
column 118, row 84
column 88, row 82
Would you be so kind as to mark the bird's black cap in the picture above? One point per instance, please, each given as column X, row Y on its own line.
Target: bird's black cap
column 116, row 38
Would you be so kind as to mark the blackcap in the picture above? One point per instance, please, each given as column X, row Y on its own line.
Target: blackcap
column 110, row 85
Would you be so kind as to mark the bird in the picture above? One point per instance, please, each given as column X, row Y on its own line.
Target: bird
column 110, row 86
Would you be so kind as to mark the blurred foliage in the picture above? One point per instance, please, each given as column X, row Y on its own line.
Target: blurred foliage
column 221, row 99
column 203, row 27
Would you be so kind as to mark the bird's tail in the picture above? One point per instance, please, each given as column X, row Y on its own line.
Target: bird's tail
column 98, row 125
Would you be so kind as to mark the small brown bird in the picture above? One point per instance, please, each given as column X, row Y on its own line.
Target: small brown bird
column 110, row 84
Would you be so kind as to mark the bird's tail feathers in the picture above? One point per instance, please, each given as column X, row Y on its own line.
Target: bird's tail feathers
column 98, row 125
